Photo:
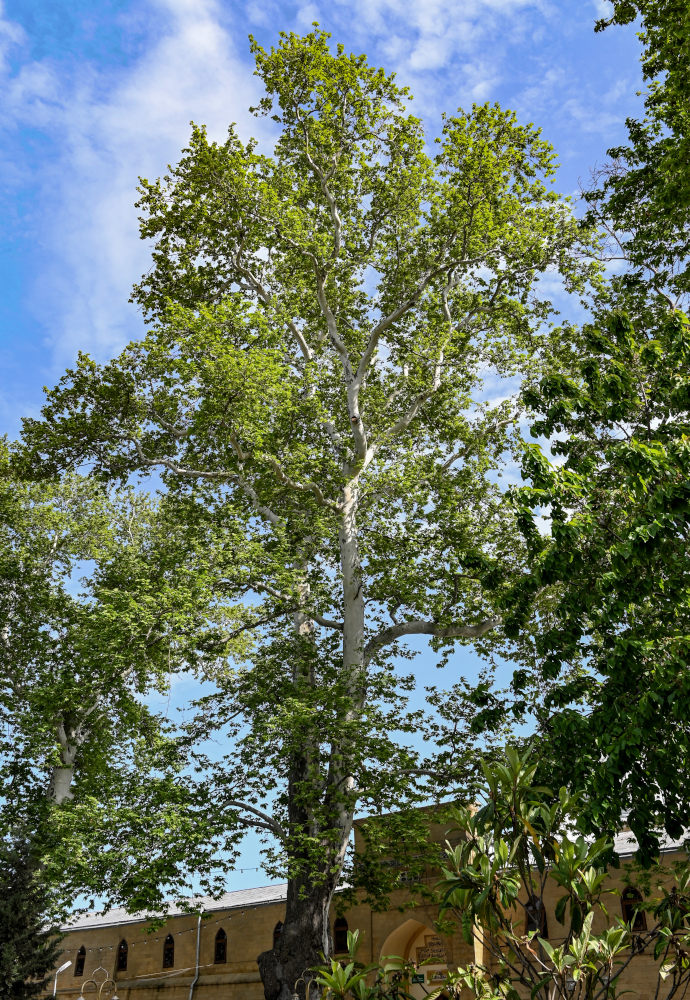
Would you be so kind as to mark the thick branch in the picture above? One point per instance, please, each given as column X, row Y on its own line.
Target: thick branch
column 395, row 314
column 420, row 627
column 332, row 205
column 314, row 615
column 230, row 477
column 259, row 818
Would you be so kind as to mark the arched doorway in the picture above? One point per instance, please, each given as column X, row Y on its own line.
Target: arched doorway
column 418, row 942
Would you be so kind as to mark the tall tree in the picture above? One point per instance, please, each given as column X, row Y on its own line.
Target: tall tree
column 315, row 385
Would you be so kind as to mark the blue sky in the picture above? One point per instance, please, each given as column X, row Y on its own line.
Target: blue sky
column 96, row 93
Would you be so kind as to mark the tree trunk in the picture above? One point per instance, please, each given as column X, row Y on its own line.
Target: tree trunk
column 306, row 934
column 304, row 940
column 62, row 775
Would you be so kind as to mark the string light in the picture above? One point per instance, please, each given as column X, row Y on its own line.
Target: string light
column 156, row 940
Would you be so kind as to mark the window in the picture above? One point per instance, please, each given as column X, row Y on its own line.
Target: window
column 79, row 964
column 340, row 935
column 169, row 952
column 122, row 950
column 631, row 901
column 277, row 930
column 536, row 917
column 221, row 950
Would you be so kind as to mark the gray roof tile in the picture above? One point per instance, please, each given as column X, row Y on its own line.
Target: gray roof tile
column 228, row 901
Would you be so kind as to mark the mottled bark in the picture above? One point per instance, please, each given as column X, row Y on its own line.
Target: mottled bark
column 305, row 937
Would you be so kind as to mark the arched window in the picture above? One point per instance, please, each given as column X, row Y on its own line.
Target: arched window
column 122, row 951
column 221, row 950
column 169, row 952
column 631, row 901
column 340, row 935
column 277, row 931
column 536, row 917
column 79, row 964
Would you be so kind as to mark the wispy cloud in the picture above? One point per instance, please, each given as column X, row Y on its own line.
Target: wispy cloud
column 106, row 131
column 440, row 47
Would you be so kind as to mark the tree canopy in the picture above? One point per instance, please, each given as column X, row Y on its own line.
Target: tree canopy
column 614, row 545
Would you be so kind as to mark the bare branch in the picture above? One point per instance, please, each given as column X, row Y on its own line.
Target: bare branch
column 419, row 627
column 258, row 818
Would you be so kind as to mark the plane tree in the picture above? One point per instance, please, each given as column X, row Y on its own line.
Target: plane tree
column 336, row 331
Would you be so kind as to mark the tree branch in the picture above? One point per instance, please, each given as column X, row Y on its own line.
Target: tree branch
column 230, row 477
column 261, row 820
column 265, row 297
column 309, row 612
column 300, row 487
column 399, row 311
column 419, row 627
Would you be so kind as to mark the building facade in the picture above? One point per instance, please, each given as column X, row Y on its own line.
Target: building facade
column 214, row 956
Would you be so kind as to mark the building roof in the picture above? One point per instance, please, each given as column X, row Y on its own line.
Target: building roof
column 625, row 845
column 238, row 899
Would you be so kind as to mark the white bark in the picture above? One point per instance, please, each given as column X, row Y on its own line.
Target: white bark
column 419, row 627
column 62, row 775
column 60, row 785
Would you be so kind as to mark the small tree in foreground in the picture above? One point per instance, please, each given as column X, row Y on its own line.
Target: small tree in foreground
column 28, row 948
column 521, row 841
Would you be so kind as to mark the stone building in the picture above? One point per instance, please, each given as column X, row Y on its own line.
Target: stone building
column 214, row 957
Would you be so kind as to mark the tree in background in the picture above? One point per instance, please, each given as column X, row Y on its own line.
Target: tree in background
column 100, row 609
column 28, row 944
column 316, row 394
column 644, row 197
column 618, row 511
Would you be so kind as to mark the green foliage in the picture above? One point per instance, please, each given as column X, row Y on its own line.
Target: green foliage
column 522, row 839
column 618, row 506
column 342, row 981
column 102, row 601
column 646, row 191
column 607, row 523
column 513, row 846
column 28, row 945
column 311, row 391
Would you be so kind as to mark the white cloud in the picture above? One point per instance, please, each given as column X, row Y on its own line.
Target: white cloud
column 108, row 131
column 449, row 51
column 10, row 34
column 603, row 8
